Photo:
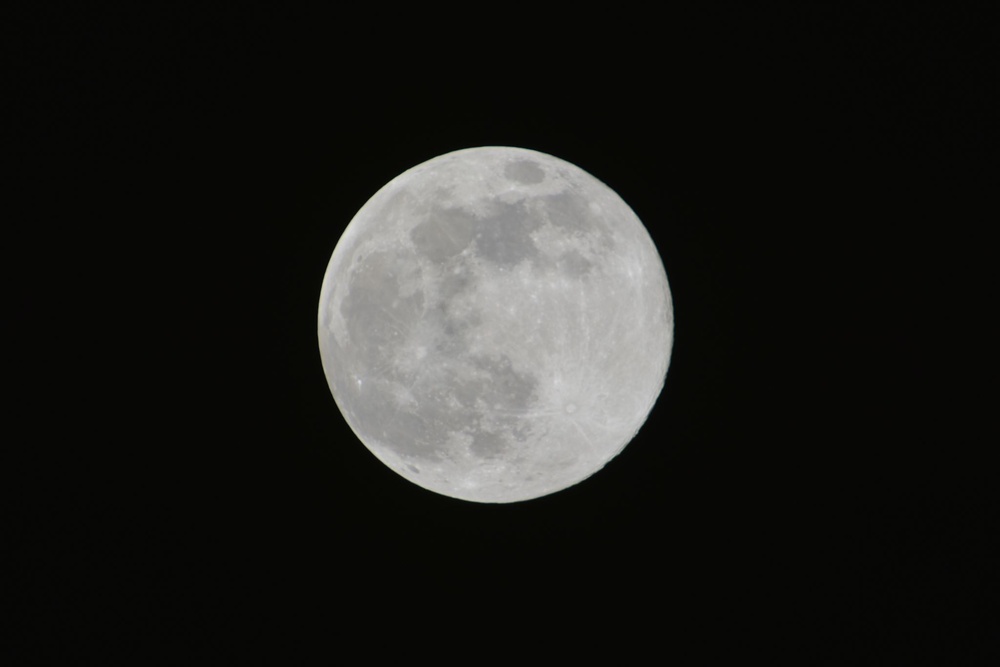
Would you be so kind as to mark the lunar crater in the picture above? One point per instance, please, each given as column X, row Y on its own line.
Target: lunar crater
column 526, row 172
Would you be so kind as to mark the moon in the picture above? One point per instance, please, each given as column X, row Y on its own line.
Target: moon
column 495, row 324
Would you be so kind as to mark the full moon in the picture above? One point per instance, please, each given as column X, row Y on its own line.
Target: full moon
column 495, row 324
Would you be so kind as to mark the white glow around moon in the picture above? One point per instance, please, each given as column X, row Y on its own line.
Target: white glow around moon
column 495, row 324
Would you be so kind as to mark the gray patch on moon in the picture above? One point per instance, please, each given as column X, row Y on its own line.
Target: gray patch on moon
column 487, row 444
column 486, row 401
column 500, row 397
column 375, row 314
column 448, row 321
column 504, row 238
column 573, row 264
column 525, row 172
column 506, row 389
column 459, row 279
column 445, row 233
column 401, row 400
column 569, row 211
column 451, row 340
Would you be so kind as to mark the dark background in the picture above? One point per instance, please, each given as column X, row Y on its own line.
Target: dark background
column 809, row 478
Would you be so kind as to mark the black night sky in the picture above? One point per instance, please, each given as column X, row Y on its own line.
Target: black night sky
column 192, row 494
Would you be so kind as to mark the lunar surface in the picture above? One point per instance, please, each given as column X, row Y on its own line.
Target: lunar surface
column 495, row 324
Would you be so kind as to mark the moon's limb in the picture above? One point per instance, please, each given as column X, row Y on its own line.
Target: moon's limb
column 495, row 324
